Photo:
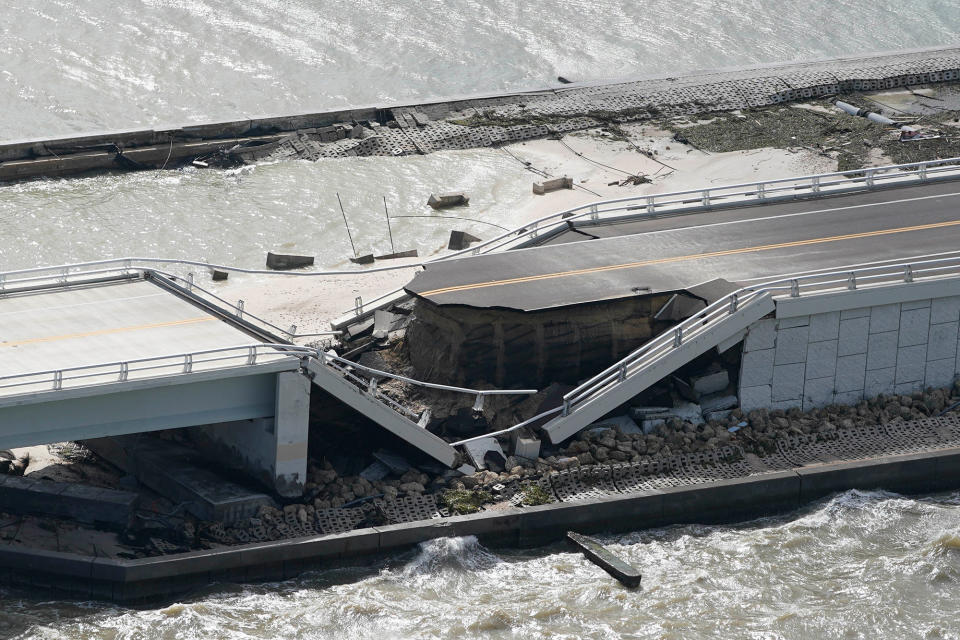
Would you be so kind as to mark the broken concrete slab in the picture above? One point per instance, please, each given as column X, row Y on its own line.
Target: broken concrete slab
column 373, row 360
column 376, row 471
column 168, row 468
column 410, row 253
column 460, row 240
column 80, row 502
column 364, row 259
column 624, row 423
column 554, row 184
column 477, row 451
column 710, row 383
column 717, row 402
column 446, row 200
column 218, row 275
column 397, row 464
column 284, row 262
column 386, row 323
column 528, row 448
column 717, row 416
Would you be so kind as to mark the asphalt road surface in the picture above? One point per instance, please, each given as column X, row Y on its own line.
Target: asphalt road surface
column 673, row 253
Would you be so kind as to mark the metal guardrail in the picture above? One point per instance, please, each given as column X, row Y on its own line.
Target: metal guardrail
column 716, row 313
column 156, row 366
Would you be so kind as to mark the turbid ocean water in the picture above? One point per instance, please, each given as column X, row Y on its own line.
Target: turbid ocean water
column 859, row 565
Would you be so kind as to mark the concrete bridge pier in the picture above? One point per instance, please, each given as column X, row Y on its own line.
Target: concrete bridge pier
column 273, row 450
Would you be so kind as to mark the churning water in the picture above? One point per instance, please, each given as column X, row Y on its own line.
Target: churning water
column 862, row 565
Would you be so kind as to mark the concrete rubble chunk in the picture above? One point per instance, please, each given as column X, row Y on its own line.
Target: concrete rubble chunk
column 364, row 259
column 477, row 451
column 625, row 424
column 554, row 184
column 398, row 465
column 376, row 471
column 446, row 200
column 710, row 383
column 218, row 275
column 386, row 322
column 528, row 448
column 717, row 402
column 460, row 240
column 285, row 262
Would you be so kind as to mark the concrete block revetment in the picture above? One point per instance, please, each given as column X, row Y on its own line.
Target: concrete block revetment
column 787, row 382
column 850, row 373
column 885, row 318
column 792, row 345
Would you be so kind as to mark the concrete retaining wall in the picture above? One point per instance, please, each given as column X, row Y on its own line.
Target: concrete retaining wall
column 716, row 502
column 842, row 355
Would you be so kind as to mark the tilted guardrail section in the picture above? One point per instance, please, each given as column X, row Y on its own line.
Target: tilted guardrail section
column 573, row 416
column 146, row 368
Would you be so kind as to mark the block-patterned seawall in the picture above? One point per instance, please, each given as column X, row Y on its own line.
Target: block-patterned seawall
column 843, row 356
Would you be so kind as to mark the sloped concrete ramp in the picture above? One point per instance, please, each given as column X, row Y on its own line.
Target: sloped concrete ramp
column 345, row 391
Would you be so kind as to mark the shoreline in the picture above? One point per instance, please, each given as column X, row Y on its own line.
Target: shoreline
column 722, row 501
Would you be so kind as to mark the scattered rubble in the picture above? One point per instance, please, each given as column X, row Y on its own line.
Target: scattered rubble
column 283, row 262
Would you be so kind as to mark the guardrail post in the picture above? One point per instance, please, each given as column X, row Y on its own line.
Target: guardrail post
column 794, row 288
column 761, row 191
column 815, row 184
column 908, row 273
column 533, row 230
column 3, row 280
column 240, row 308
column 852, row 281
column 651, row 205
column 734, row 300
column 252, row 355
column 678, row 337
column 292, row 331
column 187, row 363
column 870, row 173
column 478, row 403
column 124, row 372
column 566, row 408
column 372, row 386
column 922, row 169
column 594, row 214
column 358, row 305
column 706, row 197
column 190, row 282
column 57, row 380
column 64, row 275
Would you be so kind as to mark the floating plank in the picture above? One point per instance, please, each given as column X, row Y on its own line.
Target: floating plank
column 625, row 573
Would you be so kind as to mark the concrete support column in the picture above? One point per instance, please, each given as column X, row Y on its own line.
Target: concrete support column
column 291, row 433
column 273, row 450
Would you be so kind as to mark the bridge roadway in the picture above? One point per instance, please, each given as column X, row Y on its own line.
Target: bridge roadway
column 116, row 321
column 671, row 253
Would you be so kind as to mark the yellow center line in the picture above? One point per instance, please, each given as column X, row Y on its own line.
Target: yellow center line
column 696, row 256
column 102, row 332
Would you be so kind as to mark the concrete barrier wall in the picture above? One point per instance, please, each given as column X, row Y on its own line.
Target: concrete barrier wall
column 859, row 345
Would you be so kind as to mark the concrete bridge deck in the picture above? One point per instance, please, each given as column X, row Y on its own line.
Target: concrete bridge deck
column 119, row 321
column 646, row 256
